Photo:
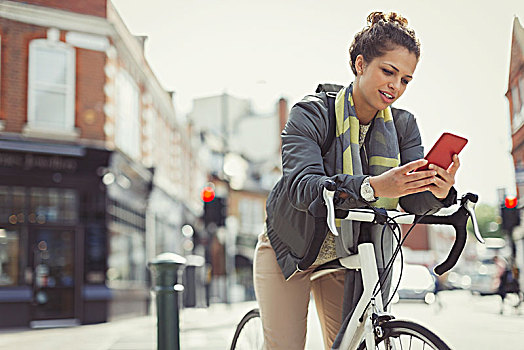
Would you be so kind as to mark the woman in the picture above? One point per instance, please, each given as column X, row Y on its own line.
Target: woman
column 372, row 160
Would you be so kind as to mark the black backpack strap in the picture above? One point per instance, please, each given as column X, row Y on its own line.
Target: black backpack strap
column 328, row 88
column 331, row 91
column 331, row 122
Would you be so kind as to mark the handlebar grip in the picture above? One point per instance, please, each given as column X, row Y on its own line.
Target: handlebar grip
column 458, row 220
column 454, row 254
column 330, row 185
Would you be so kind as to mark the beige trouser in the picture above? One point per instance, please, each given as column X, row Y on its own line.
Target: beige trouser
column 284, row 304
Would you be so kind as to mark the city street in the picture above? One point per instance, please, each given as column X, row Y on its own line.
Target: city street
column 464, row 321
column 469, row 322
column 126, row 176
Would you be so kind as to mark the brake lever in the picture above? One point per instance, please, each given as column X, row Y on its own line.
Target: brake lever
column 328, row 199
column 468, row 202
column 470, row 207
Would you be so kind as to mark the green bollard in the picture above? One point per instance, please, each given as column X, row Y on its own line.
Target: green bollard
column 165, row 271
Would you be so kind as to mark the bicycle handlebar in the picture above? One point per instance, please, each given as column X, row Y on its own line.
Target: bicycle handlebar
column 458, row 220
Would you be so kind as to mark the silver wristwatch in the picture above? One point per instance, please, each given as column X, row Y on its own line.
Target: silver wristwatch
column 366, row 191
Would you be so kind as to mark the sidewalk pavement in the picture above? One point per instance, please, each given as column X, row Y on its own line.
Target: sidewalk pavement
column 210, row 328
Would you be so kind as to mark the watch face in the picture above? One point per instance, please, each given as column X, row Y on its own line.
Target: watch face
column 366, row 191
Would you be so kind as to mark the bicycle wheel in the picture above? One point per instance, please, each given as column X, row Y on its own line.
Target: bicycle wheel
column 406, row 335
column 249, row 334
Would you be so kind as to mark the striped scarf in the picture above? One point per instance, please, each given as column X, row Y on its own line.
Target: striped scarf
column 383, row 152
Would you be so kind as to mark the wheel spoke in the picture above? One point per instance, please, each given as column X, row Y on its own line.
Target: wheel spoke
column 401, row 334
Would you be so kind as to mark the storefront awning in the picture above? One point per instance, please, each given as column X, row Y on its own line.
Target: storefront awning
column 47, row 148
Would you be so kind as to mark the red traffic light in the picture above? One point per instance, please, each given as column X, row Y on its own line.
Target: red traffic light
column 207, row 194
column 510, row 203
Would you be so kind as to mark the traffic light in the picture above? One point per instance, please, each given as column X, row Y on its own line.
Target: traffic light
column 510, row 214
column 510, row 202
column 207, row 194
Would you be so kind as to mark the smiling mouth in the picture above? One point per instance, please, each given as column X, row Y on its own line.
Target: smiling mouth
column 389, row 96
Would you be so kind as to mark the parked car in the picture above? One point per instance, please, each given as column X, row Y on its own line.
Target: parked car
column 417, row 284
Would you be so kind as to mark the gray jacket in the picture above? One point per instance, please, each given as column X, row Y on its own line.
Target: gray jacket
column 290, row 226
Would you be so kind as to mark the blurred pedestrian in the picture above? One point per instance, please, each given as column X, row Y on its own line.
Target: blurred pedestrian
column 501, row 273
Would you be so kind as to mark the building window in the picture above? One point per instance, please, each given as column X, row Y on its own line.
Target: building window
column 5, row 207
column 38, row 205
column 51, row 93
column 127, row 258
column 516, row 98
column 53, row 205
column 1, row 121
column 518, row 116
column 127, row 134
column 12, row 205
column 521, row 87
column 9, row 260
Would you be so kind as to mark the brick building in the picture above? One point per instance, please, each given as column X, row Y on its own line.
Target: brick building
column 97, row 172
column 515, row 96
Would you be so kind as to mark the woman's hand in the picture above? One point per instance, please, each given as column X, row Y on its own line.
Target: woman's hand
column 444, row 179
column 400, row 181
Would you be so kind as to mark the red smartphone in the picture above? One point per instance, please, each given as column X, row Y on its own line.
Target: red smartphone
column 442, row 152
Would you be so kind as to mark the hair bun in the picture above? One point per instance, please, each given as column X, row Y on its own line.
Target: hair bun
column 392, row 17
column 375, row 17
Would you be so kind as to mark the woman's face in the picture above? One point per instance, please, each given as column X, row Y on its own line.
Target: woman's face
column 383, row 80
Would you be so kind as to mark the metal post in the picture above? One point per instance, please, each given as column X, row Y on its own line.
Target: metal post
column 165, row 271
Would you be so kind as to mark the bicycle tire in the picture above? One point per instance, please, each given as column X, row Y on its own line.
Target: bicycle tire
column 403, row 333
column 249, row 334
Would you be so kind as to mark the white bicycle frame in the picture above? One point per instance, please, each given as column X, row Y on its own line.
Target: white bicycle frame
column 365, row 261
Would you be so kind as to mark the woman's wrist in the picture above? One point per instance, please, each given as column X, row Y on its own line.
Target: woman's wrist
column 451, row 198
column 373, row 184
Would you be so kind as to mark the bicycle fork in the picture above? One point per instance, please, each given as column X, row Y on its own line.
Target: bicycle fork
column 369, row 331
column 373, row 328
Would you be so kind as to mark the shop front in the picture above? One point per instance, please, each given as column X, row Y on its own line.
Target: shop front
column 52, row 200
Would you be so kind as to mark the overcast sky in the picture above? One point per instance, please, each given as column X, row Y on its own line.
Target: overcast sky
column 264, row 50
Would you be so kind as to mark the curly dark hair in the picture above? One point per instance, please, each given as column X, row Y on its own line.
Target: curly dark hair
column 383, row 33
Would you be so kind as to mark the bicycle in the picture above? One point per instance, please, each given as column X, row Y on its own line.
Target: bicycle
column 370, row 326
